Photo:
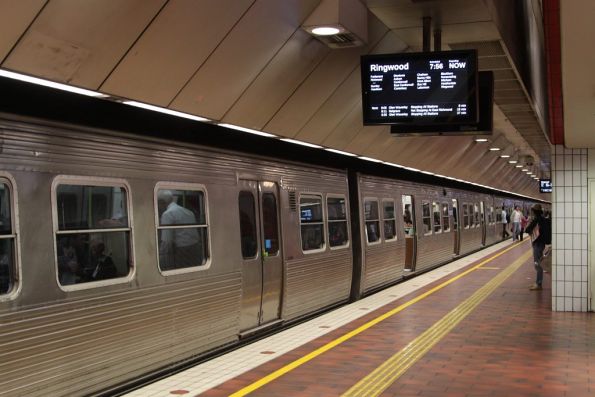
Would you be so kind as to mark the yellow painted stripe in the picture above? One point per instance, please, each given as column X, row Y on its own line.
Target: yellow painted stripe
column 386, row 374
column 489, row 268
column 323, row 349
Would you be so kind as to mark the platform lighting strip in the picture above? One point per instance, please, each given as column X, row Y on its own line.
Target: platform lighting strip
column 51, row 84
column 96, row 94
column 165, row 110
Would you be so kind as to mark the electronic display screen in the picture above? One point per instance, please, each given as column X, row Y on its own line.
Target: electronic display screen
column 545, row 185
column 306, row 215
column 420, row 88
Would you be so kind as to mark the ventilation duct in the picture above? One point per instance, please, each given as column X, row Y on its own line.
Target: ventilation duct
column 346, row 20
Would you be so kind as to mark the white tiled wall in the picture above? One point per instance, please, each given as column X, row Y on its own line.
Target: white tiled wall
column 570, row 267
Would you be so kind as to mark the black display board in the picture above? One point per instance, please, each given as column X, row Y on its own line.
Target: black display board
column 422, row 88
column 545, row 185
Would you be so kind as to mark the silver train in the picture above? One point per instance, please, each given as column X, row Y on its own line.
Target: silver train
column 122, row 256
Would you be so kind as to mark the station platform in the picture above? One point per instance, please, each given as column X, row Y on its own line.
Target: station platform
column 469, row 328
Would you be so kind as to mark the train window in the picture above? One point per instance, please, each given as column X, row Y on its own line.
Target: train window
column 408, row 216
column 269, row 224
column 92, row 232
column 437, row 217
column 498, row 215
column 390, row 221
column 337, row 222
column 455, row 215
column 248, row 235
column 311, row 223
column 466, row 216
column 445, row 218
column 426, row 218
column 7, row 240
column 182, row 228
column 490, row 215
column 372, row 220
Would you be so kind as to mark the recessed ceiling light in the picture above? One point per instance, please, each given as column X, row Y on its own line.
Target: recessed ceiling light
column 518, row 166
column 481, row 139
column 512, row 161
column 524, row 170
column 494, row 149
column 325, row 31
column 505, row 156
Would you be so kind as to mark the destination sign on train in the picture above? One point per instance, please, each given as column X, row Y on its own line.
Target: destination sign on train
column 420, row 88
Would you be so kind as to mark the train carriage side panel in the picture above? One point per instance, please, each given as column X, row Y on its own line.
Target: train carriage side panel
column 384, row 253
column 316, row 277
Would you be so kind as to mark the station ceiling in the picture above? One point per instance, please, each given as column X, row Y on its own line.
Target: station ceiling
column 250, row 63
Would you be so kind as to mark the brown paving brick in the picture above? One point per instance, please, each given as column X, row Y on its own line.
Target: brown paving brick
column 511, row 345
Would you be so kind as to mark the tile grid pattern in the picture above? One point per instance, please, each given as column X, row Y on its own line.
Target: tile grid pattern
column 228, row 366
column 570, row 271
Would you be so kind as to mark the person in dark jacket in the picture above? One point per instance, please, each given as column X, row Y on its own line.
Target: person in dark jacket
column 537, row 229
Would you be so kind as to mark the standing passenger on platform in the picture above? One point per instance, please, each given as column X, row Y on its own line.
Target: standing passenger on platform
column 540, row 231
column 505, row 233
column 516, row 223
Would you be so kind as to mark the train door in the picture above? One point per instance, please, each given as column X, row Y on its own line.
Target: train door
column 410, row 232
column 261, row 251
column 455, row 227
column 482, row 222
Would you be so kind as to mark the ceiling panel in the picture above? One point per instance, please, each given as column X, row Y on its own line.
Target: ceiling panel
column 321, row 83
column 68, row 41
column 14, row 19
column 172, row 48
column 277, row 81
column 240, row 57
column 345, row 97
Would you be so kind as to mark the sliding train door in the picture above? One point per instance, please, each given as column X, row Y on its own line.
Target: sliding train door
column 455, row 228
column 482, row 222
column 262, row 279
column 410, row 232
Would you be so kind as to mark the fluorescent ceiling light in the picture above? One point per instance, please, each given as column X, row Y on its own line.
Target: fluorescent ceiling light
column 427, row 172
column 301, row 143
column 393, row 164
column 518, row 166
column 341, row 152
column 325, row 31
column 52, row 84
column 481, row 140
column 164, row 110
column 512, row 161
column 370, row 159
column 494, row 149
column 248, row 130
column 524, row 170
column 505, row 156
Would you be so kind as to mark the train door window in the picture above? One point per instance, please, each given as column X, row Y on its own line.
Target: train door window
column 311, row 223
column 372, row 220
column 270, row 224
column 248, row 235
column 437, row 217
column 337, row 222
column 445, row 218
column 490, row 215
column 426, row 218
column 408, row 216
column 7, row 240
column 390, row 220
column 182, row 227
column 466, row 216
column 498, row 215
column 476, row 215
column 93, row 233
column 455, row 215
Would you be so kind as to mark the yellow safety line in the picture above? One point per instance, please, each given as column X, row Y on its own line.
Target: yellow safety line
column 489, row 268
column 323, row 349
column 388, row 372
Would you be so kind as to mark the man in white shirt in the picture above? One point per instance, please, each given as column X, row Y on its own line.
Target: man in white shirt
column 178, row 247
column 516, row 223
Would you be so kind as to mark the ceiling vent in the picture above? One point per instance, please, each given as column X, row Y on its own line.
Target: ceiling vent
column 339, row 23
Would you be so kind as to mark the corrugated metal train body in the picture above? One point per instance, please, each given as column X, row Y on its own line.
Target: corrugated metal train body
column 77, row 341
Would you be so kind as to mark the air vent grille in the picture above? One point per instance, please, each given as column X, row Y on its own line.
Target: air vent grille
column 341, row 40
column 292, row 202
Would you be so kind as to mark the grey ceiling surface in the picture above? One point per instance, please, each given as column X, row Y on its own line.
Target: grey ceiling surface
column 249, row 63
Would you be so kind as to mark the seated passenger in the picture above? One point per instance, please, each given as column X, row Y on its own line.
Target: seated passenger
column 101, row 266
column 69, row 269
